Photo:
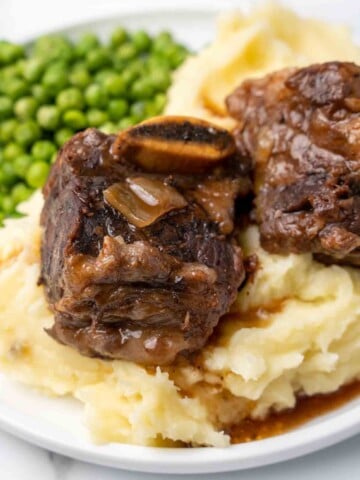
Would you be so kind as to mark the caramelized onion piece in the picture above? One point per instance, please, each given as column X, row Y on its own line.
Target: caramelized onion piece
column 175, row 145
column 217, row 197
column 143, row 200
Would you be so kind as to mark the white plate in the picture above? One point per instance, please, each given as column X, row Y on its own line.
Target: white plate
column 56, row 424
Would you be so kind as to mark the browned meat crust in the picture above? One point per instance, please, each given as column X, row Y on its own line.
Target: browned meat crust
column 141, row 294
column 302, row 130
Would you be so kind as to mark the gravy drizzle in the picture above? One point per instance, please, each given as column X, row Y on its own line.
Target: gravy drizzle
column 306, row 409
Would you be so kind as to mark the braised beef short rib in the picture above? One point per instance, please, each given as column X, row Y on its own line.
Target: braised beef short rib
column 139, row 260
column 301, row 127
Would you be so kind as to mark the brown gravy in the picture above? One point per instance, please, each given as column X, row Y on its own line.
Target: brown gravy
column 307, row 409
column 235, row 320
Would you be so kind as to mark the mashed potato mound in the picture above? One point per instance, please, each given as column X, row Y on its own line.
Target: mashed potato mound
column 267, row 39
column 297, row 323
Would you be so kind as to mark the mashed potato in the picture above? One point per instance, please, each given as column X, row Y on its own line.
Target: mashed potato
column 269, row 38
column 298, row 322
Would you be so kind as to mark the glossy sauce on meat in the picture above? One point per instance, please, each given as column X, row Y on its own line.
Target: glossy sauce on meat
column 301, row 128
column 137, row 265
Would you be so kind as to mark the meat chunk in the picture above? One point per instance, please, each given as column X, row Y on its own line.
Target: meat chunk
column 302, row 130
column 136, row 265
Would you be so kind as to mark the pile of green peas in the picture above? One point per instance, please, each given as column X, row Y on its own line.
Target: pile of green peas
column 57, row 87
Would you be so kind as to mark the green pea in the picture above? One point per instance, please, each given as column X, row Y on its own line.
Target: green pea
column 157, row 62
column 6, row 106
column 7, row 130
column 21, row 164
column 174, row 55
column 95, row 96
column 9, row 52
column 138, row 65
column 103, row 74
column 162, row 41
column 15, row 88
column 87, row 42
column 141, row 40
column 20, row 193
column 97, row 58
column 54, row 79
column 135, row 70
column 58, row 66
column 96, row 117
column 142, row 89
column 41, row 94
column 118, row 37
column 178, row 57
column 53, row 47
column 27, row 133
column 71, row 98
column 7, row 174
column 151, row 109
column 75, row 119
column 160, row 101
column 7, row 205
column 117, row 109
column 33, row 69
column 138, row 111
column 115, row 85
column 160, row 79
column 8, row 74
column 25, row 108
column 79, row 65
column 63, row 135
column 20, row 64
column 37, row 174
column 48, row 117
column 12, row 151
column 125, row 123
column 79, row 77
column 43, row 150
column 125, row 52
column 129, row 75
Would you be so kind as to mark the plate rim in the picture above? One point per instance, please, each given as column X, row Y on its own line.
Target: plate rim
column 342, row 423
column 142, row 7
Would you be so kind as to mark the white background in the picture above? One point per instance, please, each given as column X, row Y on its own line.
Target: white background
column 20, row 19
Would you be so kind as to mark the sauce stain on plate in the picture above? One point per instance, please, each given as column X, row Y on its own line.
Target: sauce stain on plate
column 307, row 409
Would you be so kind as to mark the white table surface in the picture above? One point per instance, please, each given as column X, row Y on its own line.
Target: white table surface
column 21, row 461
